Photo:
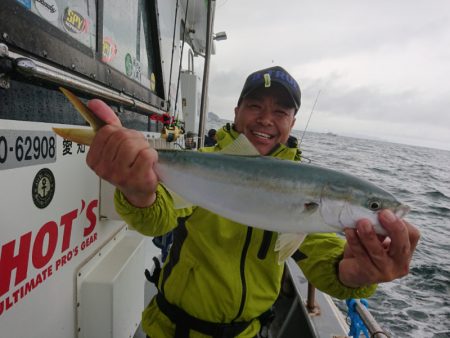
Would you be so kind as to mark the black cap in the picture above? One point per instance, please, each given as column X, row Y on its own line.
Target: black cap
column 265, row 78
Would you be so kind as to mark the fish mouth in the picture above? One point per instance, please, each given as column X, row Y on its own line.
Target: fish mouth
column 401, row 210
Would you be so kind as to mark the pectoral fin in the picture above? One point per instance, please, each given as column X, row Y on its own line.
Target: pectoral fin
column 241, row 147
column 287, row 244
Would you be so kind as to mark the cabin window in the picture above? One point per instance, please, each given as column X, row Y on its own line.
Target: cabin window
column 127, row 40
column 114, row 43
column 76, row 18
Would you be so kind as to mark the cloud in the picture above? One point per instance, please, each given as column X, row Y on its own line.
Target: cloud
column 382, row 67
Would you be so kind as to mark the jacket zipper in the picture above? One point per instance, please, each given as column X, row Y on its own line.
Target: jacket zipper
column 265, row 244
column 242, row 271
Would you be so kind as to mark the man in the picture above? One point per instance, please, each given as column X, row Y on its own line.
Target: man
column 219, row 271
column 210, row 139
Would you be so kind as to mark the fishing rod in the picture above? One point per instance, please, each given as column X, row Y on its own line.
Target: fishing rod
column 307, row 123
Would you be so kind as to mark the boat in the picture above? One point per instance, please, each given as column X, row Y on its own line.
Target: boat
column 69, row 266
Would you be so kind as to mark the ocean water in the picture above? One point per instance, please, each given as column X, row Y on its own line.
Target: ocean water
column 417, row 305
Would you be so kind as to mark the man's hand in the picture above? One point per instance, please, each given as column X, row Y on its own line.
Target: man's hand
column 123, row 157
column 369, row 258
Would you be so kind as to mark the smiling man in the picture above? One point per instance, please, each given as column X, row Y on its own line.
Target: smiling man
column 221, row 277
column 267, row 107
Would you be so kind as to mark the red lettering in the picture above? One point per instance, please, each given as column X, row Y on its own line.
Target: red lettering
column 67, row 221
column 16, row 257
column 39, row 258
column 92, row 217
column 8, row 304
column 29, row 286
column 88, row 241
column 9, row 262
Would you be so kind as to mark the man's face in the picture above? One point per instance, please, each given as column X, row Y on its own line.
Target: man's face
column 265, row 118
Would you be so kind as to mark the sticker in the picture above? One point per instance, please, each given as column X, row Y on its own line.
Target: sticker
column 26, row 3
column 110, row 50
column 132, row 67
column 128, row 65
column 21, row 148
column 47, row 9
column 43, row 188
column 74, row 22
column 152, row 82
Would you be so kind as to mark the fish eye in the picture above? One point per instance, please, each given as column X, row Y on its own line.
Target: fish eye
column 374, row 205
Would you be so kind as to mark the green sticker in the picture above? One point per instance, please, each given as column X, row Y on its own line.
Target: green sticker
column 128, row 65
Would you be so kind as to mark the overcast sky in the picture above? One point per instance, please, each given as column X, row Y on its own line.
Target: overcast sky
column 382, row 67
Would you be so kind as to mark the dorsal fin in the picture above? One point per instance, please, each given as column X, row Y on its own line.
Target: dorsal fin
column 241, row 146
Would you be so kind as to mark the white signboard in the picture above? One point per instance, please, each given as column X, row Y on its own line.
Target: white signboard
column 49, row 228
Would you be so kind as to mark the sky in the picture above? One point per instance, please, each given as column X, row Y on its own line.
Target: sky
column 382, row 67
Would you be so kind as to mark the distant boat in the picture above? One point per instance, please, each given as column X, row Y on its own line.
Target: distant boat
column 331, row 134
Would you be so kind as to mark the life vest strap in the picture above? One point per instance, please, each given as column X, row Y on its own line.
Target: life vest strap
column 184, row 322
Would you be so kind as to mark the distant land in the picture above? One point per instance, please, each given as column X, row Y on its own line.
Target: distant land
column 216, row 122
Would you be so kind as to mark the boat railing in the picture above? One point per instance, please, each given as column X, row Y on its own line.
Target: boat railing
column 314, row 313
column 369, row 321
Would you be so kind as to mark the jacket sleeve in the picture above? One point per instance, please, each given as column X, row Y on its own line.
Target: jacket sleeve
column 323, row 253
column 156, row 220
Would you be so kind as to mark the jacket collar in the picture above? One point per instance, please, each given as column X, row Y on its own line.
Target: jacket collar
column 227, row 134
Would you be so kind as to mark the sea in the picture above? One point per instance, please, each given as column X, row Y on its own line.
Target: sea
column 417, row 305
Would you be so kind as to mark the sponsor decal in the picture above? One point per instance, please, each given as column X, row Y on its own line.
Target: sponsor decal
column 128, row 65
column 47, row 9
column 132, row 67
column 74, row 22
column 26, row 3
column 34, row 257
column 43, row 188
column 110, row 50
column 152, row 82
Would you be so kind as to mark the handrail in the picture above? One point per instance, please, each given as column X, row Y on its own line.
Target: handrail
column 369, row 321
column 204, row 99
column 38, row 69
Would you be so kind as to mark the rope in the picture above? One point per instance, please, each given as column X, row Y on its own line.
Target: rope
column 356, row 324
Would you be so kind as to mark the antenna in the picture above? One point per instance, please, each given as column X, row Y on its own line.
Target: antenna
column 307, row 123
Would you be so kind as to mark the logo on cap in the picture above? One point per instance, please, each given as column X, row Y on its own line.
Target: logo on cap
column 267, row 80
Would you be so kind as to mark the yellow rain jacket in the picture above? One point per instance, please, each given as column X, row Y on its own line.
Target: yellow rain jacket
column 222, row 271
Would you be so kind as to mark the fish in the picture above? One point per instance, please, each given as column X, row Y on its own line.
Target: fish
column 291, row 198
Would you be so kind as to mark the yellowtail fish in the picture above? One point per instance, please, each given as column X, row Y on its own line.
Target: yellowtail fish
column 277, row 195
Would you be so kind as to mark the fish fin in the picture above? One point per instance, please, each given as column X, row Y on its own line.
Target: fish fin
column 78, row 135
column 240, row 147
column 178, row 201
column 87, row 114
column 287, row 244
